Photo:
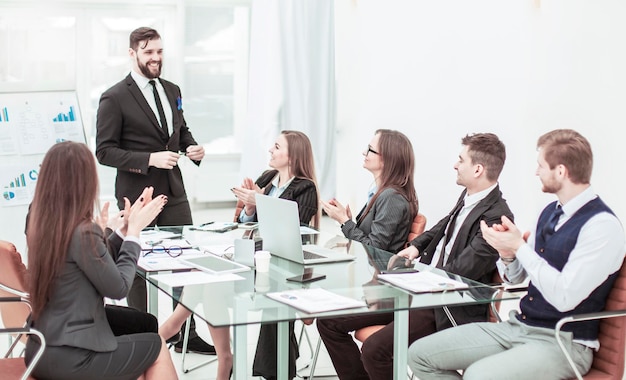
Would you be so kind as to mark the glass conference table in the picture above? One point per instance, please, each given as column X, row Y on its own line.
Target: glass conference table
column 245, row 302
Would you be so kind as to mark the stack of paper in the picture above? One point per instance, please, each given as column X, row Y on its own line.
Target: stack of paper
column 315, row 300
column 216, row 227
column 422, row 282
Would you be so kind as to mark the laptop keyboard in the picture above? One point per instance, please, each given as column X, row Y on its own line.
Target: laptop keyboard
column 310, row 255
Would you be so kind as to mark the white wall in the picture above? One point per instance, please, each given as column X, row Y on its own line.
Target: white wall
column 437, row 70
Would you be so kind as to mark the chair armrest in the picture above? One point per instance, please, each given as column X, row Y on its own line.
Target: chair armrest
column 38, row 354
column 25, row 330
column 578, row 318
column 13, row 291
column 497, row 295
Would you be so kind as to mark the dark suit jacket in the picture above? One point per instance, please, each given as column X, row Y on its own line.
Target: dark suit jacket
column 128, row 131
column 386, row 225
column 471, row 256
column 94, row 268
column 301, row 190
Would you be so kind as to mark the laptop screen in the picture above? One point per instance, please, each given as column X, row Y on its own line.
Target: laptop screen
column 279, row 226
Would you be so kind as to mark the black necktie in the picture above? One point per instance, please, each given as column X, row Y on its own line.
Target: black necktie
column 159, row 105
column 449, row 231
column 548, row 228
column 429, row 251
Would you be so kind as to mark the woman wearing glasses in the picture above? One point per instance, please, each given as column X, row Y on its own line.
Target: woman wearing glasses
column 73, row 264
column 385, row 220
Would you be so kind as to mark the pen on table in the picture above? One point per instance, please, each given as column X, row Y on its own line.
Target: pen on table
column 206, row 224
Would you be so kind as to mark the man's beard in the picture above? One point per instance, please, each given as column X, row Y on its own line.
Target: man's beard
column 551, row 186
column 145, row 70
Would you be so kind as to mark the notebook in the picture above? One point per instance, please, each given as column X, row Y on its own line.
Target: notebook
column 279, row 226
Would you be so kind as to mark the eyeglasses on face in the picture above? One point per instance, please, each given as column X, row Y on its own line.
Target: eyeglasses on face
column 370, row 150
column 173, row 251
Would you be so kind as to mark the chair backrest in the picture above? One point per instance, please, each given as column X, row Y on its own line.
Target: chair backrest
column 608, row 362
column 12, row 275
column 417, row 227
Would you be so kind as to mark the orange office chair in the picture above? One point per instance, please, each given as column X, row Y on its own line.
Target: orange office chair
column 417, row 227
column 608, row 362
column 15, row 312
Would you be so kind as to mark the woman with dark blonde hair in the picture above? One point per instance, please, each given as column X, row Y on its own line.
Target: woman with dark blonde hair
column 292, row 177
column 385, row 220
column 73, row 266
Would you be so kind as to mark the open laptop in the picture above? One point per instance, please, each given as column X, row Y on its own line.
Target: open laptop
column 279, row 226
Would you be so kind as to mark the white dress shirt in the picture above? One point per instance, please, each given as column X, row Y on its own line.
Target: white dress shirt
column 470, row 201
column 599, row 252
column 146, row 90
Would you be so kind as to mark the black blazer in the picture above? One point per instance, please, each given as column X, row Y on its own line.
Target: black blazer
column 301, row 190
column 471, row 256
column 128, row 131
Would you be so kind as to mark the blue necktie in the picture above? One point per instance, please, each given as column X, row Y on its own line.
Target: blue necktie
column 548, row 228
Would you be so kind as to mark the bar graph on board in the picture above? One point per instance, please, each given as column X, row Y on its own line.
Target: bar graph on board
column 4, row 115
column 20, row 181
column 65, row 117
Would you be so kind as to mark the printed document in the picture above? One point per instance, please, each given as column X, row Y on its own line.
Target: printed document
column 315, row 300
column 422, row 282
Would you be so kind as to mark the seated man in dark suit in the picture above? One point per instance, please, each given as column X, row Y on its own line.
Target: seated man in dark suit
column 455, row 244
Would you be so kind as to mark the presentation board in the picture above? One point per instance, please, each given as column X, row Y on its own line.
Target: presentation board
column 30, row 123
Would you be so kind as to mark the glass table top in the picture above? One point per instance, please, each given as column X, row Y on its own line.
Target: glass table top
column 245, row 300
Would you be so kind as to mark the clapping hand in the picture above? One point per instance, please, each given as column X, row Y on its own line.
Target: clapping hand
column 142, row 212
column 505, row 237
column 103, row 219
column 247, row 194
column 337, row 211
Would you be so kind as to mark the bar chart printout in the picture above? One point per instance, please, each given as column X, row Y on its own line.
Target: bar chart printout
column 65, row 117
column 18, row 189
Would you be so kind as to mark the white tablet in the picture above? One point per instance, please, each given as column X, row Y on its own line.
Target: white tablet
column 214, row 264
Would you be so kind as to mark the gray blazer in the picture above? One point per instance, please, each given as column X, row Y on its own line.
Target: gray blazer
column 74, row 315
column 386, row 225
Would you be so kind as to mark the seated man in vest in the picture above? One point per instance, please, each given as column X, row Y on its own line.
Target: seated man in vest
column 572, row 259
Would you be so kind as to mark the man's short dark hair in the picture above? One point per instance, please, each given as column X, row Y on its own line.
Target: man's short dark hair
column 487, row 150
column 144, row 34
